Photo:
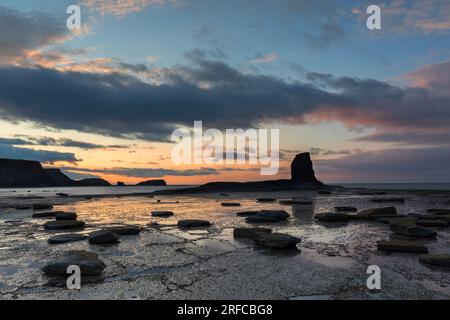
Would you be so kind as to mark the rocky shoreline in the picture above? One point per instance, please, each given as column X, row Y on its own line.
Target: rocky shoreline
column 167, row 252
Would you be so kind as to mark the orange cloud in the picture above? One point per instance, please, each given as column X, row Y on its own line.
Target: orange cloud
column 121, row 8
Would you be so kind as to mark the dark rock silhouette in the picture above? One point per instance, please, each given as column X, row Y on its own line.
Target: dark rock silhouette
column 153, row 183
column 302, row 177
column 28, row 174
column 302, row 170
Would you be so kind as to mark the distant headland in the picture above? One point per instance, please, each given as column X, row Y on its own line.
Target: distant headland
column 31, row 174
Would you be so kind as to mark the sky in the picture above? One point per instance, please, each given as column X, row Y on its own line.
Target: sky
column 103, row 100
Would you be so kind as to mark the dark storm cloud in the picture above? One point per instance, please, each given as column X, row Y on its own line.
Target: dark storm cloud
column 14, row 141
column 409, row 165
column 11, row 152
column 20, row 32
column 61, row 142
column 223, row 97
column 408, row 138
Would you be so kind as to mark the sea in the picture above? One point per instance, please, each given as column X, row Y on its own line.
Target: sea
column 113, row 190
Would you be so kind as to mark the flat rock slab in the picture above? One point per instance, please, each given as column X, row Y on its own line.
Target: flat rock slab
column 63, row 195
column 266, row 200
column 295, row 202
column 103, row 237
column 378, row 213
column 437, row 260
column 63, row 225
column 413, row 231
column 405, row 220
column 381, row 200
column 186, row 224
column 65, row 238
column 42, row 206
column 230, row 204
column 70, row 216
column 162, row 214
column 268, row 216
column 249, row 233
column 371, row 193
column 345, row 209
column 435, row 223
column 439, row 211
column 23, row 207
column 401, row 246
column 89, row 263
column 333, row 217
column 125, row 230
column 435, row 217
column 277, row 241
column 247, row 213
column 265, row 238
column 49, row 214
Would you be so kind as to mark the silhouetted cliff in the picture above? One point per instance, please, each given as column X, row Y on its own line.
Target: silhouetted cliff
column 28, row 174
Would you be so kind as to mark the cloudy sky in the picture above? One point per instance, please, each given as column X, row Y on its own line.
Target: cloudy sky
column 370, row 105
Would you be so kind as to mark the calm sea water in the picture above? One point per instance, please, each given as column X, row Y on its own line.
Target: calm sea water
column 399, row 186
column 76, row 191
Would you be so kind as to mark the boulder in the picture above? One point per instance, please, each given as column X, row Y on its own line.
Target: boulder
column 333, row 217
column 125, row 230
column 230, row 204
column 403, row 220
column 42, row 206
column 23, row 207
column 266, row 200
column 436, row 260
column 247, row 213
column 378, row 213
column 268, row 216
column 401, row 246
column 62, row 195
column 249, row 233
column 412, row 231
column 162, row 214
column 439, row 211
column 277, row 241
column 66, row 216
column 302, row 171
column 186, row 224
column 49, row 214
column 89, row 263
column 65, row 238
column 63, row 225
column 434, row 223
column 103, row 237
column 345, row 209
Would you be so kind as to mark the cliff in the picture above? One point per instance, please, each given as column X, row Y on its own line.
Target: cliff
column 29, row 174
column 302, row 171
column 302, row 177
